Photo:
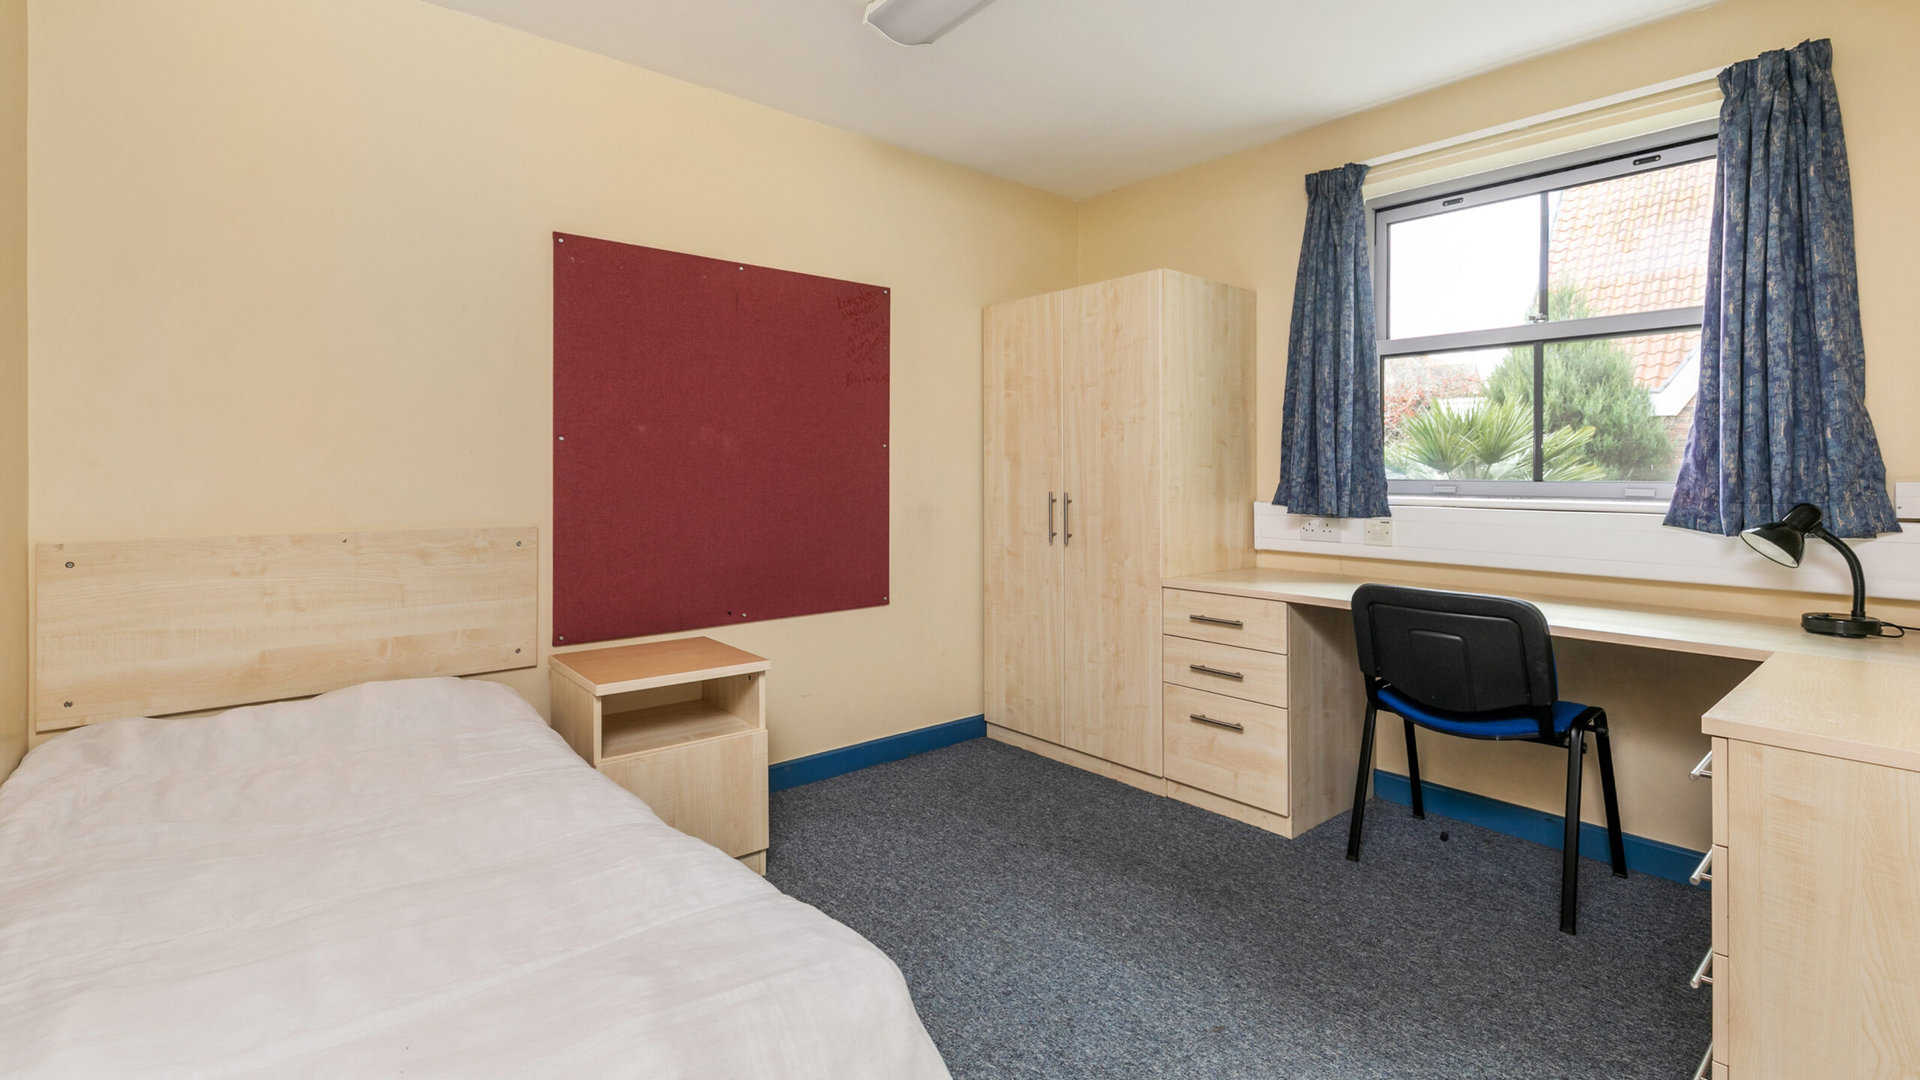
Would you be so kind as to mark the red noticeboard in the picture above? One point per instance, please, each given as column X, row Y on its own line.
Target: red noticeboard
column 720, row 442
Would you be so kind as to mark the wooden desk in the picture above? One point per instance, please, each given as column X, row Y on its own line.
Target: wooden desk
column 1740, row 637
column 1815, row 866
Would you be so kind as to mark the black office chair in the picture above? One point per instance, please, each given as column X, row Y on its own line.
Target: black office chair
column 1479, row 667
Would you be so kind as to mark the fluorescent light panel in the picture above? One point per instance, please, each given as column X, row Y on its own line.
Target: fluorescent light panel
column 920, row 22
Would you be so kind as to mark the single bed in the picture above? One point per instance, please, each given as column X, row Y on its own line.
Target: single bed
column 411, row 877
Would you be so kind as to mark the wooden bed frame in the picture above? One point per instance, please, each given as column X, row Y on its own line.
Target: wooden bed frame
column 155, row 627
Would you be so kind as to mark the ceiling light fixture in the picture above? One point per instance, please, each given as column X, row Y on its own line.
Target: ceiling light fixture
column 919, row 22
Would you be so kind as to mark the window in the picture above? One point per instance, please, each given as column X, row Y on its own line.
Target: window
column 1540, row 328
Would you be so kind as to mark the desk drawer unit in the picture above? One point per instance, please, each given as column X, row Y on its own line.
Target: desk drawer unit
column 1224, row 669
column 1225, row 620
column 1227, row 746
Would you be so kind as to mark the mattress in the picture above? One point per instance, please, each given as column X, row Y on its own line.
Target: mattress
column 413, row 877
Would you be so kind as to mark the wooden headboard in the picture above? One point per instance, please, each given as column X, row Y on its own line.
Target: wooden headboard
column 152, row 627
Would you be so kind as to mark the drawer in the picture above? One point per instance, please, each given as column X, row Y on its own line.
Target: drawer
column 1722, row 890
column 1239, row 750
column 1722, row 765
column 1722, row 994
column 1226, row 620
column 1223, row 669
column 715, row 789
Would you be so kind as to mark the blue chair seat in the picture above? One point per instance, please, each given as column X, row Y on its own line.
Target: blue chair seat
column 1508, row 725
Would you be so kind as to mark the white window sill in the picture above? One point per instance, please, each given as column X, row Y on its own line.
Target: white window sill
column 1593, row 537
column 1488, row 502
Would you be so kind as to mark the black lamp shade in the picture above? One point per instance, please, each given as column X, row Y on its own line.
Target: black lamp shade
column 1785, row 541
column 1777, row 542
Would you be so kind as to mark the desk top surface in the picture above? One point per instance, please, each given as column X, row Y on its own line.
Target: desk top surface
column 1836, row 696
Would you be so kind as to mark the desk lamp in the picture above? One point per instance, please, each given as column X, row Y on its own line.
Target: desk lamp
column 1785, row 541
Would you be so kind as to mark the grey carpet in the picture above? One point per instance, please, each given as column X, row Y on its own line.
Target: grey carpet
column 1052, row 923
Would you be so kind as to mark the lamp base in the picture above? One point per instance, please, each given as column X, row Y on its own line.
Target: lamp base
column 1837, row 625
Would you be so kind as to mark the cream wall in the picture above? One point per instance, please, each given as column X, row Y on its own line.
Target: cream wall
column 1239, row 219
column 13, row 382
column 291, row 271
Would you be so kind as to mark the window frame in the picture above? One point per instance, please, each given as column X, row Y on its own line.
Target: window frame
column 1666, row 149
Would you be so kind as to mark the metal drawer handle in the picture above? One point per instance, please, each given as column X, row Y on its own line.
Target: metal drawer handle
column 1213, row 621
column 1700, row 873
column 1205, row 670
column 1051, row 532
column 1700, row 976
column 1704, row 770
column 1230, row 725
column 1706, row 1065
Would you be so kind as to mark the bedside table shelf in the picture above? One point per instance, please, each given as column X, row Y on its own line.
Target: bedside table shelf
column 658, row 727
column 682, row 724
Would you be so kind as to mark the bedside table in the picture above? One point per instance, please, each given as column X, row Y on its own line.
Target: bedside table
column 683, row 725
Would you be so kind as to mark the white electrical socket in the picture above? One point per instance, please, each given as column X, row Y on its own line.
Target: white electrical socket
column 1906, row 501
column 1319, row 529
column 1380, row 532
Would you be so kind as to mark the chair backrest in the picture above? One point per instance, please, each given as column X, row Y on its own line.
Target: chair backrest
column 1455, row 651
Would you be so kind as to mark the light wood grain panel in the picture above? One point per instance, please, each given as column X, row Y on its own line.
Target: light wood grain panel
column 1722, row 769
column 715, row 789
column 624, row 669
column 1860, row 708
column 646, row 730
column 1326, row 706
column 1238, row 811
column 1224, row 669
column 1201, row 615
column 151, row 627
column 756, row 862
column 1023, row 476
column 1247, row 765
column 1207, row 432
column 1722, row 892
column 1110, row 434
column 574, row 712
column 1068, row 756
column 1824, row 923
column 1723, row 999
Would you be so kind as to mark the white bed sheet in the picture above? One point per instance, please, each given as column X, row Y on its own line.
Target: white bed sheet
column 413, row 877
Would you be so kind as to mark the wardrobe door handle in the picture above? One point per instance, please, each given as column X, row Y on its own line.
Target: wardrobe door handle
column 1205, row 670
column 1066, row 519
column 1705, row 1071
column 1230, row 725
column 1704, row 770
column 1213, row 621
column 1051, row 499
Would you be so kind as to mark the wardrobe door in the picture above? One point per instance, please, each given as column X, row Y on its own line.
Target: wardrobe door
column 1110, row 701
column 1020, row 355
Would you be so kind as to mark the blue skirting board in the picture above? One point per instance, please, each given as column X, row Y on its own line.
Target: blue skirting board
column 827, row 763
column 1644, row 856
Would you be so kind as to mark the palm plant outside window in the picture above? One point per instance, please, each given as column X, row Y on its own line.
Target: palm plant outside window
column 1540, row 328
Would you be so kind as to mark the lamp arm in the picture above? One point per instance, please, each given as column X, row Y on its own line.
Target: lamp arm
column 1853, row 567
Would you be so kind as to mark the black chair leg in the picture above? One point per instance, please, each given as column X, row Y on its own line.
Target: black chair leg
column 1570, row 845
column 1413, row 772
column 1362, row 775
column 1616, row 845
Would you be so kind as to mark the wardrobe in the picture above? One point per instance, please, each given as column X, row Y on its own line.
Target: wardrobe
column 1117, row 454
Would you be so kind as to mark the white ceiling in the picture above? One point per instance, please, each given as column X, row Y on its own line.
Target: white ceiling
column 1077, row 96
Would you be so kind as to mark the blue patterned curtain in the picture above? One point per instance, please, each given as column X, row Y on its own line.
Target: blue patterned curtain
column 1331, row 463
column 1782, row 415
